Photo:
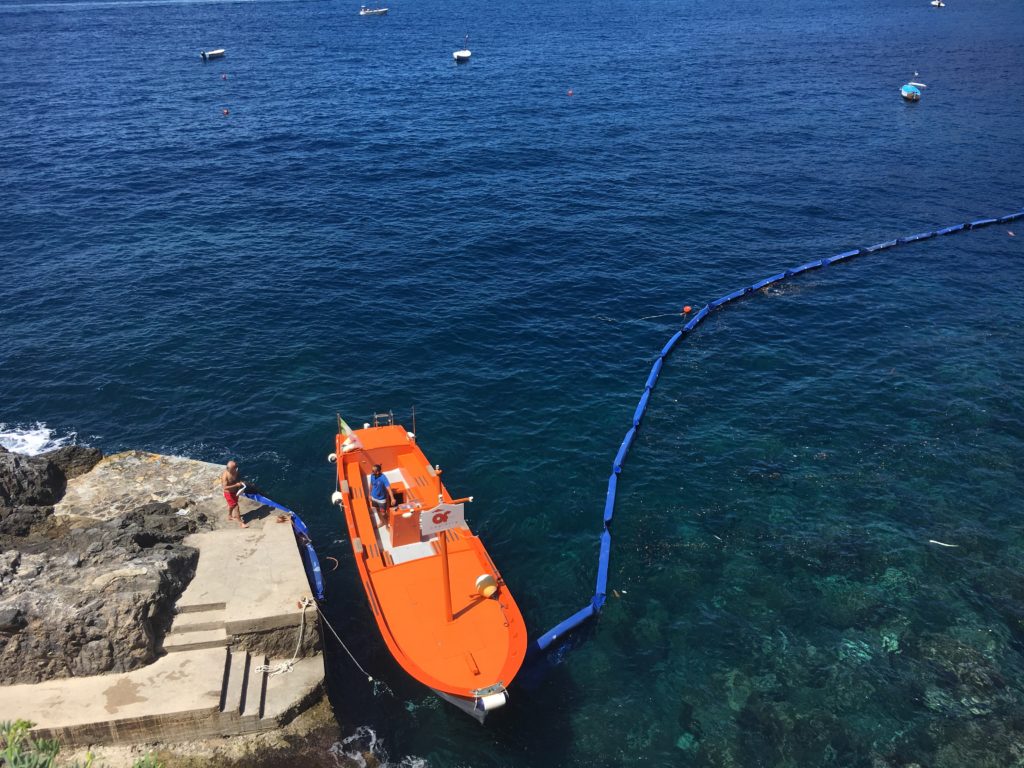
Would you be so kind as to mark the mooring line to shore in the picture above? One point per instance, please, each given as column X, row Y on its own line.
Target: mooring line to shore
column 377, row 684
column 593, row 608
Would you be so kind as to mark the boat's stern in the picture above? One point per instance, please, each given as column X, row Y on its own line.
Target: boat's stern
column 484, row 701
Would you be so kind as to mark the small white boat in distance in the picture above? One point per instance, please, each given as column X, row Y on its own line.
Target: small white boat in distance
column 364, row 11
column 938, row 4
column 207, row 55
column 463, row 55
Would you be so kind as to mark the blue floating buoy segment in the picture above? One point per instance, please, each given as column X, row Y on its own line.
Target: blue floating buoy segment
column 609, row 499
column 557, row 642
column 652, row 377
column 305, row 542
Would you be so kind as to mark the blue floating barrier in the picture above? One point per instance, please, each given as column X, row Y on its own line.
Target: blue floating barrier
column 620, row 457
column 313, row 571
column 696, row 319
column 805, row 267
column 264, row 500
column 842, row 256
column 671, row 343
column 879, row 246
column 768, row 281
column 566, row 626
column 734, row 295
column 600, row 594
column 602, row 563
column 641, row 408
column 915, row 238
column 652, row 377
column 609, row 499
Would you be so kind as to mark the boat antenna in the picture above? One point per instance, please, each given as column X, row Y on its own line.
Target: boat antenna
column 414, row 419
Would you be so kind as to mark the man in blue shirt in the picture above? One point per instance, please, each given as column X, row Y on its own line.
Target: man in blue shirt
column 380, row 492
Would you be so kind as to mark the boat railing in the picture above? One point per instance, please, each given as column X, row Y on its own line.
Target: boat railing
column 384, row 419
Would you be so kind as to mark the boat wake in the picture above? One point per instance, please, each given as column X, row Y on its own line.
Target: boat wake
column 363, row 749
column 33, row 440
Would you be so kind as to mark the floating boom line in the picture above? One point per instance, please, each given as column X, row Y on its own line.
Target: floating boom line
column 543, row 643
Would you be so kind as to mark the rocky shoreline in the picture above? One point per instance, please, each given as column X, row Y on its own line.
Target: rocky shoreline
column 83, row 595
column 94, row 559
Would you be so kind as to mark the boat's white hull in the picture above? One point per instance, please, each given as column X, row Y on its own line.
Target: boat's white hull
column 461, row 56
column 477, row 708
column 373, row 12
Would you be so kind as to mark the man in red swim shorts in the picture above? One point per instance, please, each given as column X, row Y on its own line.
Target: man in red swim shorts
column 232, row 484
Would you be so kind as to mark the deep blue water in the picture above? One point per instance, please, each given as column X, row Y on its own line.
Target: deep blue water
column 372, row 227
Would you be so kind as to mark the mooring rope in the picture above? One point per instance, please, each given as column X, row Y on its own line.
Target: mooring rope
column 378, row 685
column 286, row 666
column 597, row 602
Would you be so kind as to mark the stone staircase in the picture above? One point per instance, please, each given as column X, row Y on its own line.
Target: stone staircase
column 198, row 626
column 170, row 700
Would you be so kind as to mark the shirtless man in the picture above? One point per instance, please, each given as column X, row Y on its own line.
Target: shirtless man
column 232, row 483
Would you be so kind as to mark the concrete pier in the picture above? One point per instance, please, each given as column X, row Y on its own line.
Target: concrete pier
column 243, row 653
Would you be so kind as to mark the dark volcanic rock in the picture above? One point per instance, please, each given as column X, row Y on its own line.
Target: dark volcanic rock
column 29, row 480
column 74, row 460
column 18, row 522
column 78, row 595
column 96, row 600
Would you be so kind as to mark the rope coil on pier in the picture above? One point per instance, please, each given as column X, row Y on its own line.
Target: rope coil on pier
column 545, row 641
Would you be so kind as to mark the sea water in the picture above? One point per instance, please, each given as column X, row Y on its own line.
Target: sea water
column 372, row 227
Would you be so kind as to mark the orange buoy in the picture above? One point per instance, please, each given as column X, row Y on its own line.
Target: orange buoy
column 686, row 309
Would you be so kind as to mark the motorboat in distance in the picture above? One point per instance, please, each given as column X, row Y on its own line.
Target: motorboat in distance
column 442, row 607
column 365, row 11
column 912, row 91
column 462, row 56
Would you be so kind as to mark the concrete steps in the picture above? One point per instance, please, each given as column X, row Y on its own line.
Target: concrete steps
column 198, row 627
column 256, row 690
column 171, row 700
column 194, row 641
column 244, row 594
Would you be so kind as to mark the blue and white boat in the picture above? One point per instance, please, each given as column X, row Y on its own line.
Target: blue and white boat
column 912, row 91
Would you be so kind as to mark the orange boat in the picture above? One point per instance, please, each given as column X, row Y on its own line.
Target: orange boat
column 439, row 601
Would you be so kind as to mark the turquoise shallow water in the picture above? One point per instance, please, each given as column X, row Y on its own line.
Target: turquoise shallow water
column 373, row 227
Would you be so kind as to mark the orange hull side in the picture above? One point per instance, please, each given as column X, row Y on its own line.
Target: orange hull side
column 482, row 648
